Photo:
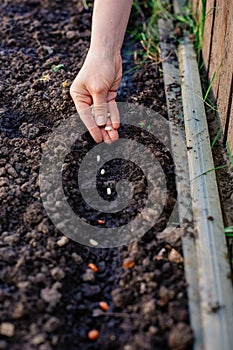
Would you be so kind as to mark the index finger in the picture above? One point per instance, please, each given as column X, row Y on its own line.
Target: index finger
column 114, row 113
column 88, row 119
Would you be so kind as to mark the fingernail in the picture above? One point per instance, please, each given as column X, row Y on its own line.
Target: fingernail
column 100, row 120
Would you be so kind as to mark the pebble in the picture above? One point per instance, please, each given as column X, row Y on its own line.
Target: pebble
column 3, row 345
column 57, row 273
column 62, row 241
column 77, row 258
column 18, row 311
column 50, row 296
column 52, row 324
column 180, row 336
column 174, row 256
column 7, row 329
column 38, row 339
column 88, row 276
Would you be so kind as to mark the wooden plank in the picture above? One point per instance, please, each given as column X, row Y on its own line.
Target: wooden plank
column 195, row 11
column 224, row 90
column 213, row 266
column 175, row 113
column 218, row 39
column 209, row 21
column 230, row 130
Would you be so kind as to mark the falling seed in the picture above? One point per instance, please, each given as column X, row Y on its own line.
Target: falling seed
column 93, row 267
column 103, row 305
column 102, row 172
column 93, row 334
column 109, row 191
column 93, row 242
column 101, row 222
column 98, row 158
column 108, row 128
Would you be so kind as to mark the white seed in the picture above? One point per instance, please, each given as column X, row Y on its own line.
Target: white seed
column 108, row 128
column 98, row 158
column 109, row 191
column 93, row 242
column 102, row 172
column 62, row 241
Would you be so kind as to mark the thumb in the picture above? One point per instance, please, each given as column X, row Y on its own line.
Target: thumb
column 100, row 108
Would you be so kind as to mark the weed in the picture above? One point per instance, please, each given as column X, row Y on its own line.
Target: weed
column 216, row 138
column 211, row 82
column 229, row 231
column 56, row 68
column 229, row 153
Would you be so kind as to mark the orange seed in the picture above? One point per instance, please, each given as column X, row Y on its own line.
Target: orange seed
column 93, row 267
column 103, row 305
column 93, row 334
column 128, row 263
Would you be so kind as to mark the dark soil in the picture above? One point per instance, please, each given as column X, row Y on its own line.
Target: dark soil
column 49, row 297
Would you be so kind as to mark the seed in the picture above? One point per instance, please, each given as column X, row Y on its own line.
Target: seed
column 93, row 267
column 128, row 263
column 93, row 242
column 93, row 334
column 102, row 172
column 98, row 158
column 101, row 222
column 103, row 305
column 108, row 128
column 109, row 191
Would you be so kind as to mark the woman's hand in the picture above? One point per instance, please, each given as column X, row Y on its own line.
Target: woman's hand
column 96, row 85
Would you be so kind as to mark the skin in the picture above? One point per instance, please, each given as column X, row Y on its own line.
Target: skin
column 99, row 78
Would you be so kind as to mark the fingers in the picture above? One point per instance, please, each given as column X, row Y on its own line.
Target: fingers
column 112, row 133
column 114, row 113
column 100, row 113
column 89, row 121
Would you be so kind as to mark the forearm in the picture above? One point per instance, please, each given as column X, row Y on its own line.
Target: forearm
column 109, row 22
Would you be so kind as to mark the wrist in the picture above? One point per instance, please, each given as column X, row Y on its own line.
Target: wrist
column 107, row 51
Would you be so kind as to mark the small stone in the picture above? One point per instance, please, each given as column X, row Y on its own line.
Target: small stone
column 7, row 329
column 8, row 255
column 50, row 296
column 77, row 258
column 52, row 324
column 18, row 311
column 62, row 241
column 88, row 276
column 57, row 273
column 11, row 171
column 70, row 34
column 174, row 256
column 3, row 345
column 180, row 337
column 38, row 339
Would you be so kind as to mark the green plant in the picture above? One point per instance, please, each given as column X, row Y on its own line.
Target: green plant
column 211, row 82
column 146, row 31
column 229, row 153
column 229, row 231
column 216, row 138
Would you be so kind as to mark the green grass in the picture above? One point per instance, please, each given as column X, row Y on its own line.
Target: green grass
column 229, row 231
column 217, row 136
column 146, row 30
